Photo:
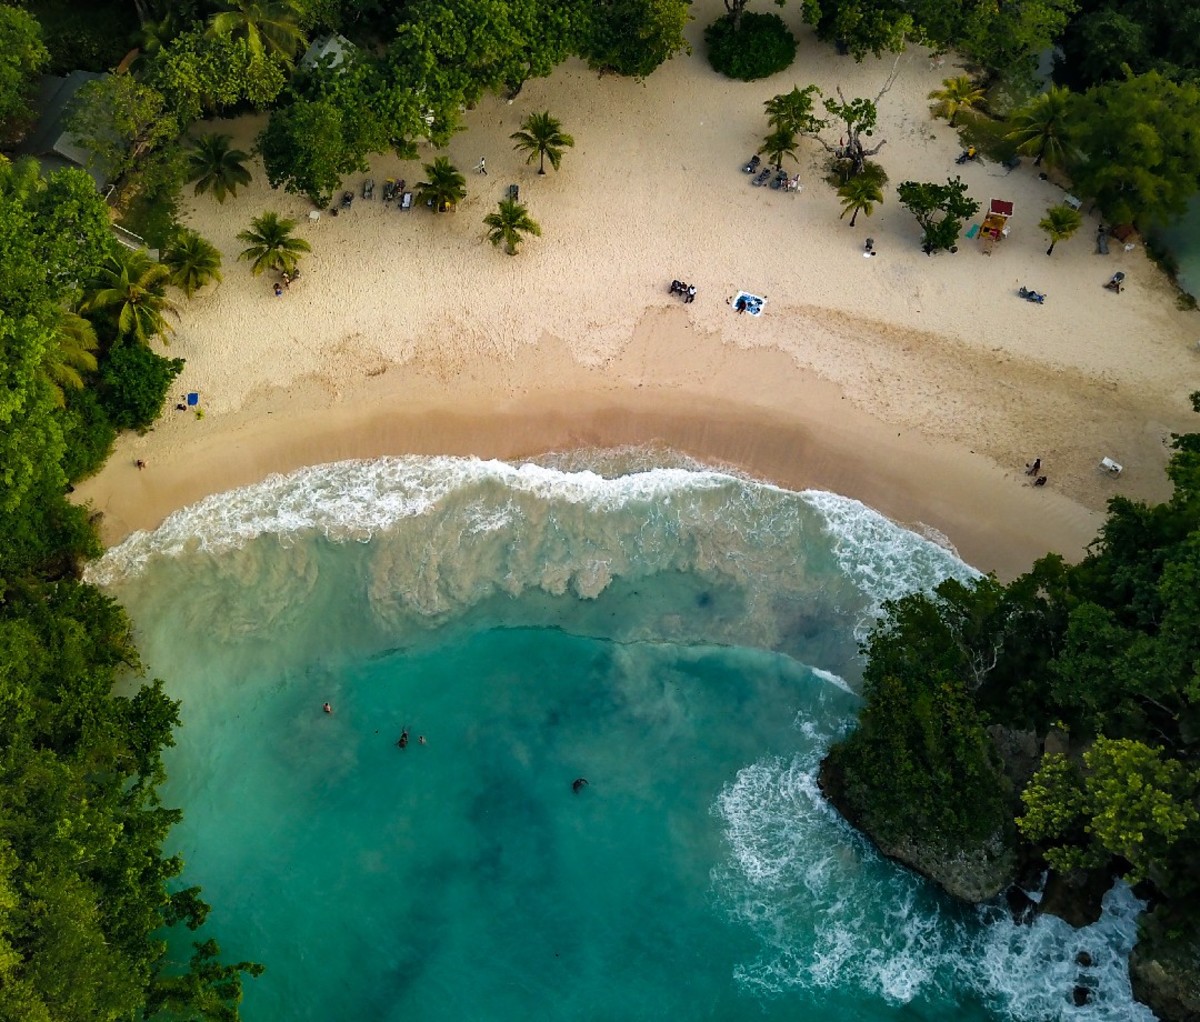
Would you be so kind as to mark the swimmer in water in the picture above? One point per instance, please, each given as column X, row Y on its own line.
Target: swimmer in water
column 327, row 708
column 403, row 741
column 579, row 784
column 420, row 739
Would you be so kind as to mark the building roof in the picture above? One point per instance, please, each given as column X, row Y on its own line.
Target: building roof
column 333, row 45
column 49, row 142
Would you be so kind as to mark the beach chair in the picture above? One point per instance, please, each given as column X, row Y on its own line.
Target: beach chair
column 1111, row 467
column 368, row 189
column 513, row 193
column 406, row 202
column 389, row 189
column 1102, row 242
column 762, row 177
column 347, row 199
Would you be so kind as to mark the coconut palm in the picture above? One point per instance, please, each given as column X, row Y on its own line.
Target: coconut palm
column 445, row 188
column 1039, row 127
column 509, row 224
column 792, row 111
column 542, row 136
column 859, row 195
column 271, row 245
column 780, row 143
column 957, row 95
column 268, row 26
column 134, row 287
column 1060, row 222
column 216, row 167
column 193, row 262
column 69, row 355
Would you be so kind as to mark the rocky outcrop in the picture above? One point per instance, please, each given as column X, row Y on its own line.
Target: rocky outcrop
column 1165, row 975
column 971, row 874
column 1076, row 898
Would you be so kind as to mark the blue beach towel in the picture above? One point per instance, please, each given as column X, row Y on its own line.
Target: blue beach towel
column 193, row 399
column 754, row 303
column 973, row 230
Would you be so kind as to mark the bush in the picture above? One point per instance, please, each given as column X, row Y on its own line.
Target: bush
column 135, row 383
column 87, row 434
column 761, row 45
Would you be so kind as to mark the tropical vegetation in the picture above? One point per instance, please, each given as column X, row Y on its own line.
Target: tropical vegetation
column 1059, row 223
column 861, row 195
column 939, row 209
column 750, row 45
column 192, row 261
column 541, row 137
column 509, row 224
column 270, row 244
column 445, row 187
column 957, row 95
column 216, row 167
column 130, row 289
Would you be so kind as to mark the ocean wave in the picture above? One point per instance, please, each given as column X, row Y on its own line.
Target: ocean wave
column 830, row 914
column 447, row 533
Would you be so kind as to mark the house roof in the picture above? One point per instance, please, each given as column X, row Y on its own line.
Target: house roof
column 1001, row 206
column 333, row 45
column 49, row 141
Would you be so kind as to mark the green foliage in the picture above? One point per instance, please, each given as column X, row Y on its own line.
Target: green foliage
column 271, row 246
column 203, row 75
column 860, row 195
column 1059, row 223
column 129, row 294
column 134, row 384
column 84, row 36
column 119, row 120
column 920, row 766
column 193, row 262
column 1040, row 127
column 88, row 435
column 779, row 143
column 541, row 136
column 752, row 47
column 939, row 209
column 270, row 28
column 633, row 37
column 22, row 56
column 1143, row 35
column 793, row 111
column 151, row 195
column 1139, row 148
column 956, row 96
column 509, row 224
column 215, row 167
column 445, row 187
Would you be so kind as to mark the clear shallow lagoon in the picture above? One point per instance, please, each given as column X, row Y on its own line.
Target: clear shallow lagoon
column 677, row 636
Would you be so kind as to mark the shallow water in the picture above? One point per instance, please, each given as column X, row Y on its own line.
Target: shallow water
column 683, row 639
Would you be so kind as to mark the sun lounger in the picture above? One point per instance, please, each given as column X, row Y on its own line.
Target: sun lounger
column 368, row 191
column 1111, row 467
column 389, row 189
column 347, row 199
column 513, row 193
column 1102, row 241
column 406, row 201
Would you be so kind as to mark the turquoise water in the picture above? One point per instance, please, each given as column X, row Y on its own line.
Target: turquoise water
column 683, row 639
column 1183, row 239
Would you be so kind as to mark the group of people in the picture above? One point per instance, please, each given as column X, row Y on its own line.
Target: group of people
column 285, row 281
column 402, row 741
column 688, row 291
column 1033, row 468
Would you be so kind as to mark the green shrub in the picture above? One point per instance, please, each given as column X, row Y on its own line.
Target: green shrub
column 135, row 383
column 87, row 434
column 761, row 45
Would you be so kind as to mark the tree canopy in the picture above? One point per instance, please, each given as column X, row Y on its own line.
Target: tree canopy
column 22, row 56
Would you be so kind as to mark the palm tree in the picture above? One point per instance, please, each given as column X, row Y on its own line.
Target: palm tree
column 134, row 286
column 213, row 165
column 69, row 355
column 957, row 95
column 791, row 111
column 193, row 262
column 1060, row 222
column 445, row 188
column 1040, row 126
column 271, row 244
column 780, row 143
column 542, row 136
column 267, row 25
column 859, row 195
column 509, row 223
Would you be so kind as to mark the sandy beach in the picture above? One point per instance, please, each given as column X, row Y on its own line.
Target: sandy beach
column 920, row 385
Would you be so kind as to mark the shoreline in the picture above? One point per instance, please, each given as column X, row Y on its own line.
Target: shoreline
column 799, row 432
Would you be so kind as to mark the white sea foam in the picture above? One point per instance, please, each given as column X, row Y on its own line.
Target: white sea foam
column 834, row 679
column 831, row 914
column 447, row 533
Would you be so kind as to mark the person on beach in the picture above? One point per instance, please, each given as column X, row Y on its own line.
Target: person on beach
column 482, row 168
column 1040, row 481
column 690, row 294
column 740, row 305
column 140, row 464
column 1032, row 470
column 287, row 281
column 402, row 741
column 327, row 708
column 278, row 290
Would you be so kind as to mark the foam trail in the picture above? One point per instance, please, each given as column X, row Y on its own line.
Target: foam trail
column 831, row 914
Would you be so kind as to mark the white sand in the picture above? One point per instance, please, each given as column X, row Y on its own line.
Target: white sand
column 402, row 311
